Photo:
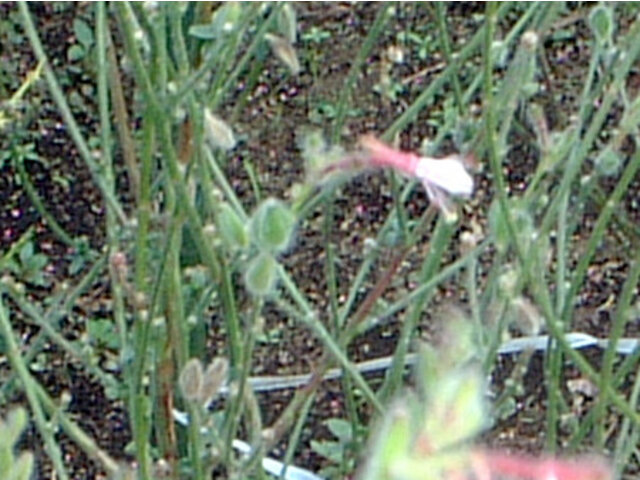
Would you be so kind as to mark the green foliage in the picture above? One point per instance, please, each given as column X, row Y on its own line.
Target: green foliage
column 522, row 221
column 85, row 39
column 495, row 94
column 102, row 332
column 315, row 35
column 608, row 163
column 336, row 451
column 29, row 265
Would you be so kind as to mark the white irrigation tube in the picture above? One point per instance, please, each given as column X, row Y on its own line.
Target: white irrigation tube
column 624, row 346
column 270, row 465
column 576, row 340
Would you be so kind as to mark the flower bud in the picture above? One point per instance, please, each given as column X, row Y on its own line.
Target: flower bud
column 218, row 132
column 287, row 23
column 261, row 274
column 608, row 163
column 214, row 377
column 284, row 51
column 601, row 22
column 232, row 229
column 191, row 380
column 272, row 225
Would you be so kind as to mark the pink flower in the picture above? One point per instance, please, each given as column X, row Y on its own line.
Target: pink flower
column 489, row 465
column 442, row 178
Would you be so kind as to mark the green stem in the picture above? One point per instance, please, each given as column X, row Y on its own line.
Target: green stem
column 45, row 428
column 354, row 71
column 65, row 111
column 620, row 320
column 40, row 207
column 446, row 48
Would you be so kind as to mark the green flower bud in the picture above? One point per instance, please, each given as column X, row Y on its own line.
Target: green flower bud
column 191, row 380
column 232, row 229
column 601, row 22
column 272, row 225
column 260, row 277
column 214, row 377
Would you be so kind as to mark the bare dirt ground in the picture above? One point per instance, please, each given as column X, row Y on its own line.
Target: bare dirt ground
column 270, row 122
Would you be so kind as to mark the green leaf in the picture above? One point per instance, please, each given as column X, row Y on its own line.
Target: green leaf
column 75, row 53
column 103, row 332
column 608, row 163
column 224, row 21
column 341, row 429
column 203, row 32
column 83, row 33
column 26, row 252
column 23, row 467
column 330, row 450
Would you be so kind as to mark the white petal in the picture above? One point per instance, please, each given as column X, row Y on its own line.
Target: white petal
column 447, row 173
column 442, row 201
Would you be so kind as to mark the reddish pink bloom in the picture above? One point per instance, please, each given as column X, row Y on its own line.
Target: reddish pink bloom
column 440, row 177
column 489, row 465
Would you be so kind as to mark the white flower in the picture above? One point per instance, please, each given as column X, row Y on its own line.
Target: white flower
column 447, row 174
column 442, row 178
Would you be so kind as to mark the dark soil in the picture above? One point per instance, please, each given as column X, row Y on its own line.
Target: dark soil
column 270, row 123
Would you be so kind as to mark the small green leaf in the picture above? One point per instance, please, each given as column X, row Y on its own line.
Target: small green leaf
column 456, row 411
column 23, row 467
column 83, row 33
column 26, row 252
column 608, row 163
column 103, row 332
column 261, row 274
column 341, row 429
column 224, row 21
column 203, row 32
column 332, row 451
column 15, row 424
column 75, row 53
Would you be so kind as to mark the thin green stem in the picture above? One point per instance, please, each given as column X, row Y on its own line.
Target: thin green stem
column 65, row 111
column 445, row 42
column 439, row 242
column 620, row 320
column 75, row 433
column 354, row 71
column 46, row 430
column 41, row 208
